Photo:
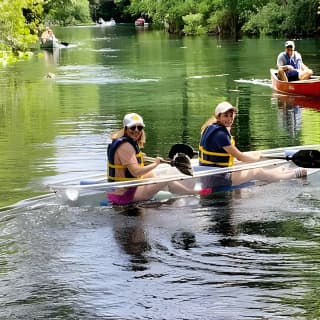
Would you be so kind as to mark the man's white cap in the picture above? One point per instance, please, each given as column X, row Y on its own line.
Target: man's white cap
column 223, row 107
column 289, row 44
column 132, row 119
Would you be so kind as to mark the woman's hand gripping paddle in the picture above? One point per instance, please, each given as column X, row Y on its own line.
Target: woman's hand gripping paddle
column 302, row 158
column 179, row 160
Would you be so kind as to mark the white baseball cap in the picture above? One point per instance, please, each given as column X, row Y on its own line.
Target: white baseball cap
column 223, row 107
column 132, row 119
column 289, row 44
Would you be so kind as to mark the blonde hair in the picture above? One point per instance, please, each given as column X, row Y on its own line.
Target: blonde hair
column 121, row 133
column 207, row 123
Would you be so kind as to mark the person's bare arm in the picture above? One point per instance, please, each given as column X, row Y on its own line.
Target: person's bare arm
column 127, row 156
column 137, row 171
column 252, row 156
column 286, row 67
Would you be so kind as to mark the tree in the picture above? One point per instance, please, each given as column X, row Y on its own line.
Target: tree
column 193, row 24
column 290, row 18
column 67, row 12
column 19, row 23
column 165, row 12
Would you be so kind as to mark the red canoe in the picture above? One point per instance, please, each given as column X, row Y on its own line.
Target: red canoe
column 309, row 87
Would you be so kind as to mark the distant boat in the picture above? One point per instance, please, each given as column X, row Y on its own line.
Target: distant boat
column 50, row 44
column 140, row 22
column 109, row 23
column 309, row 87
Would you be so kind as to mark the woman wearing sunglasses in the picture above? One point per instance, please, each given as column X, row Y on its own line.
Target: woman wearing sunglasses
column 125, row 163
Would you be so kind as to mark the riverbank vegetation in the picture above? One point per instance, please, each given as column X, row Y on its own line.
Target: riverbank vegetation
column 233, row 17
column 21, row 21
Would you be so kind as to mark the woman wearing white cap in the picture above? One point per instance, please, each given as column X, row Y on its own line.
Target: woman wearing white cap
column 217, row 148
column 290, row 65
column 125, row 162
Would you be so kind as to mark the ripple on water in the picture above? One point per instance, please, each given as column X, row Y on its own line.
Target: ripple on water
column 96, row 75
column 232, row 258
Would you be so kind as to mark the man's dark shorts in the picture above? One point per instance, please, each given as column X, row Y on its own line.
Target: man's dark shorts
column 293, row 75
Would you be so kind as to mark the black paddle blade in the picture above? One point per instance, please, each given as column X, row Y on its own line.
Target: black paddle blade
column 181, row 148
column 306, row 158
column 182, row 163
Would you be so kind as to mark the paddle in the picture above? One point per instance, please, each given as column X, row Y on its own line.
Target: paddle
column 64, row 43
column 182, row 148
column 302, row 158
column 179, row 160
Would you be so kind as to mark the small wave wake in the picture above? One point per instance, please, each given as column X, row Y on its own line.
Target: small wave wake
column 261, row 82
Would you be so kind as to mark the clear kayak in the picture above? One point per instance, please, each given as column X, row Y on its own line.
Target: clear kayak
column 93, row 191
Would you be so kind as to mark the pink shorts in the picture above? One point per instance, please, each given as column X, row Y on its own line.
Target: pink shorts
column 122, row 199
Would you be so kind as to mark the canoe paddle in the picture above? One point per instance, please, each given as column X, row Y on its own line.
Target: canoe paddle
column 182, row 148
column 180, row 160
column 302, row 158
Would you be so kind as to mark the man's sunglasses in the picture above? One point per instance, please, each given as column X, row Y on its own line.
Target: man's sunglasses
column 133, row 128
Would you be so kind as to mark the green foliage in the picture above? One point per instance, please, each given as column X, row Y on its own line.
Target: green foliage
column 192, row 24
column 19, row 21
column 301, row 17
column 274, row 17
column 67, row 12
column 294, row 17
column 164, row 12
column 219, row 22
column 107, row 9
column 268, row 21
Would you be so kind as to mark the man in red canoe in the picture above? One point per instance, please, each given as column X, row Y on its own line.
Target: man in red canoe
column 290, row 65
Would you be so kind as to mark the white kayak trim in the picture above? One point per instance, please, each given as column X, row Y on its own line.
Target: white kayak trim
column 167, row 178
column 100, row 183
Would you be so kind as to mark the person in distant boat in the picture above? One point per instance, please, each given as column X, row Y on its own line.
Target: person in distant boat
column 125, row 163
column 48, row 35
column 290, row 65
column 51, row 35
column 217, row 149
column 101, row 21
column 45, row 35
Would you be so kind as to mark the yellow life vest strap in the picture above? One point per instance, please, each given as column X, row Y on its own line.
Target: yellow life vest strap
column 229, row 163
column 120, row 166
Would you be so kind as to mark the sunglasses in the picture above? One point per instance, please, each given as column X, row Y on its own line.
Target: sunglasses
column 133, row 128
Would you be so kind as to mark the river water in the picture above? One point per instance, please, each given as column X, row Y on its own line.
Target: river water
column 249, row 254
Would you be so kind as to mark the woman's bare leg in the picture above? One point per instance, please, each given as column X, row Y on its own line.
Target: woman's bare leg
column 269, row 175
column 147, row 192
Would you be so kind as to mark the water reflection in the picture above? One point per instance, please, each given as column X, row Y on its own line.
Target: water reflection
column 131, row 236
column 51, row 57
column 221, row 213
column 290, row 110
column 285, row 100
column 290, row 114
